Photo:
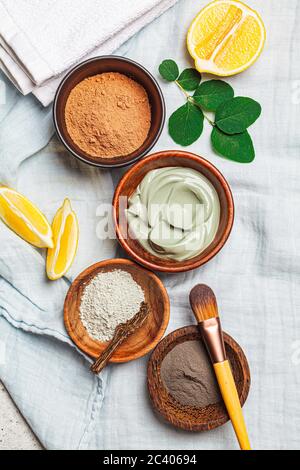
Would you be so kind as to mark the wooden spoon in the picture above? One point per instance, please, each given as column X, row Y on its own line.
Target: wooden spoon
column 121, row 333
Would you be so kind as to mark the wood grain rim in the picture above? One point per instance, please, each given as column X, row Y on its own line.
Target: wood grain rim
column 159, row 264
column 163, row 402
column 87, row 274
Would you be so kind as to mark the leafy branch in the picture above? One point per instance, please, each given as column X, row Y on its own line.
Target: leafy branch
column 233, row 115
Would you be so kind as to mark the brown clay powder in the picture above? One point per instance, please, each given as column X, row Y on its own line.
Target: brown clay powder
column 188, row 375
column 108, row 115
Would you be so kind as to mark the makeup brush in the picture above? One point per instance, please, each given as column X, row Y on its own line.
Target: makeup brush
column 204, row 305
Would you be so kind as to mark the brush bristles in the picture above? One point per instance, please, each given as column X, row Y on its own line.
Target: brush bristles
column 203, row 303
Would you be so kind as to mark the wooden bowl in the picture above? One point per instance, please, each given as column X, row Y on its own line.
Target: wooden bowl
column 100, row 65
column 188, row 417
column 146, row 337
column 132, row 179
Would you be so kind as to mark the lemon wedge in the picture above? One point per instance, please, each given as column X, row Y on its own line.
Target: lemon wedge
column 24, row 218
column 65, row 235
column 226, row 37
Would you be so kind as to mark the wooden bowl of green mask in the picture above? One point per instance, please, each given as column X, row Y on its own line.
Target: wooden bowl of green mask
column 128, row 186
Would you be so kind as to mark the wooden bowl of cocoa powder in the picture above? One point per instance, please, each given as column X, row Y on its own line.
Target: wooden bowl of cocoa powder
column 109, row 111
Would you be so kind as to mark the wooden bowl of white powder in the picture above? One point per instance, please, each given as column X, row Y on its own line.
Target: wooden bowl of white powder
column 109, row 293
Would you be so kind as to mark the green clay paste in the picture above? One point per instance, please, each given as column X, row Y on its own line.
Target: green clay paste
column 174, row 213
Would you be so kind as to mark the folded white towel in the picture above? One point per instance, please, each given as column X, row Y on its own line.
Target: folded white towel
column 41, row 40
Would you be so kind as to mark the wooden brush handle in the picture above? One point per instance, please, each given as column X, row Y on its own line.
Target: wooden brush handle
column 232, row 402
column 104, row 358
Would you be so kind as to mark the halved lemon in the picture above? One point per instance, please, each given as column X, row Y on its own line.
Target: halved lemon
column 226, row 37
column 65, row 235
column 24, row 218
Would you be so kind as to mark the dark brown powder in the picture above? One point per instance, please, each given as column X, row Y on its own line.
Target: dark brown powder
column 108, row 115
column 188, row 375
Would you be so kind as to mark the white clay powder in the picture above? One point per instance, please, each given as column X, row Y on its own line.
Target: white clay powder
column 109, row 299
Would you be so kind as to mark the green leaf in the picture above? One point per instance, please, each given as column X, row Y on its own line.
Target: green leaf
column 169, row 70
column 237, row 147
column 212, row 93
column 186, row 124
column 236, row 115
column 189, row 79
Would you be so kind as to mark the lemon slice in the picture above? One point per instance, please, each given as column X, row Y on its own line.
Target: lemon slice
column 226, row 37
column 65, row 235
column 24, row 218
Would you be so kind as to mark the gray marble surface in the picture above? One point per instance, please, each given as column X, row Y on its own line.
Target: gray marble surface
column 15, row 433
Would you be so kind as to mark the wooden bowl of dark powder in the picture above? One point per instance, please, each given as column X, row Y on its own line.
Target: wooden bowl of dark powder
column 182, row 383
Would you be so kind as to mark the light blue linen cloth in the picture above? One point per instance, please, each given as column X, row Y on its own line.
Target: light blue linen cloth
column 256, row 276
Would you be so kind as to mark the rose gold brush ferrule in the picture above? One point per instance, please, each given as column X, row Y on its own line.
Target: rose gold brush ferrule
column 212, row 335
